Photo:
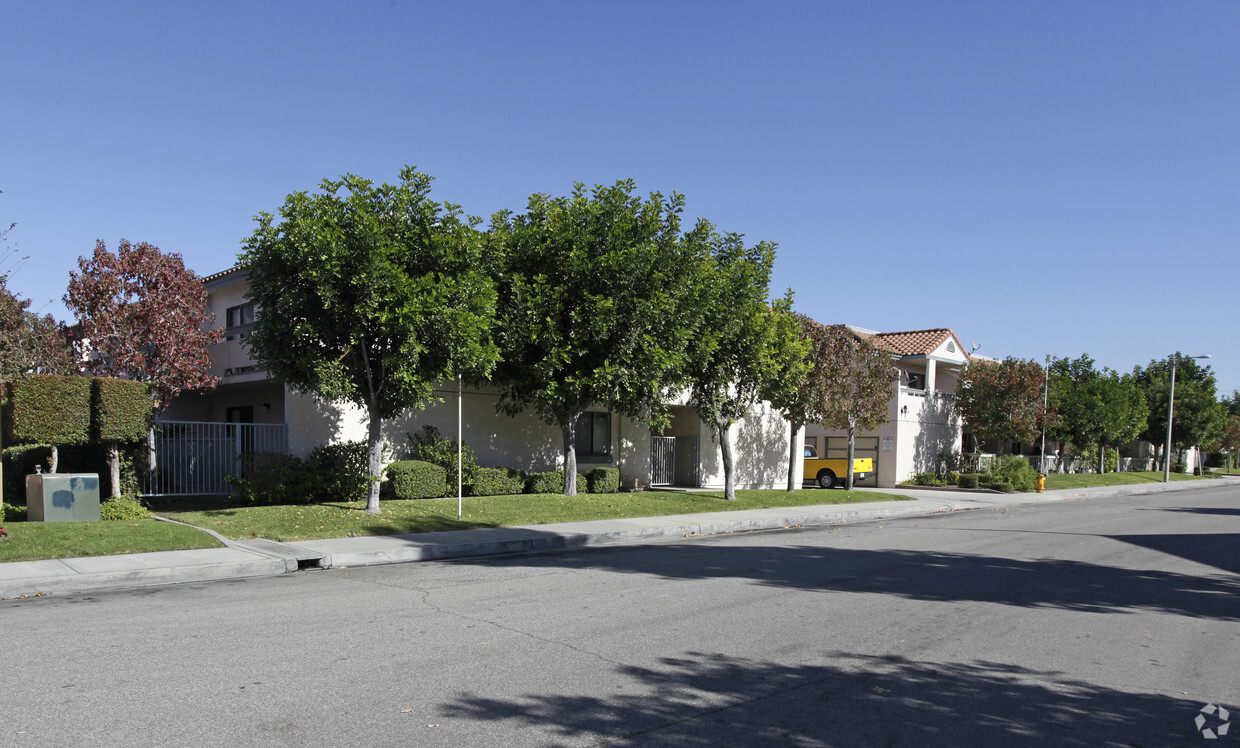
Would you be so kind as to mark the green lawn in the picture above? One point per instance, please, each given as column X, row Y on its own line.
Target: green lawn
column 337, row 520
column 1090, row 480
column 33, row 541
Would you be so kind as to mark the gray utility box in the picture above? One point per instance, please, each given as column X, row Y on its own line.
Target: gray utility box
column 62, row 497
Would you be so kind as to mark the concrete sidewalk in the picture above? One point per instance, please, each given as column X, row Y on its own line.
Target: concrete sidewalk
column 259, row 557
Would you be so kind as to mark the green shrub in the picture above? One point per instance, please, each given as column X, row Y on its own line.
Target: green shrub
column 925, row 479
column 269, row 478
column 337, row 472
column 551, row 481
column 121, row 409
column 1017, row 471
column 11, row 513
column 951, row 479
column 1003, row 486
column 968, row 480
column 121, row 507
column 48, row 409
column 1216, row 460
column 415, row 479
column 1179, row 467
column 429, row 446
column 603, row 480
column 496, row 481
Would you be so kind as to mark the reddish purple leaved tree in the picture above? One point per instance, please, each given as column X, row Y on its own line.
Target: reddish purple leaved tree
column 144, row 316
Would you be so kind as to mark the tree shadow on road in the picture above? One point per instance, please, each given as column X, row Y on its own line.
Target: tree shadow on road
column 941, row 576
column 709, row 699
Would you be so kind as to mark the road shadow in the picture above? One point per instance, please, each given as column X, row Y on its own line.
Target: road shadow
column 941, row 576
column 701, row 699
column 1221, row 510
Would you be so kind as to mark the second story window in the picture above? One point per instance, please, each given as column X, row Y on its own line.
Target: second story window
column 237, row 321
column 916, row 380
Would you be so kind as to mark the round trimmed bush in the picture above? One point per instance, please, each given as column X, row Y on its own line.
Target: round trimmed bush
column 415, row 479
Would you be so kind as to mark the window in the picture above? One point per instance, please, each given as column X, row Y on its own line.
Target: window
column 238, row 320
column 593, row 435
column 916, row 380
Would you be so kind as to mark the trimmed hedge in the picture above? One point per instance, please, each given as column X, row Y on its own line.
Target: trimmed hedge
column 121, row 409
column 11, row 513
column 415, row 479
column 48, row 409
column 496, row 481
column 969, row 480
column 551, row 481
column 603, row 480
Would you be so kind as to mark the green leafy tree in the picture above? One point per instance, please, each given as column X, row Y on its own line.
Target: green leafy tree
column 370, row 294
column 861, row 381
column 1228, row 439
column 746, row 345
column 599, row 299
column 1095, row 407
column 804, row 399
column 1003, row 399
column 1198, row 414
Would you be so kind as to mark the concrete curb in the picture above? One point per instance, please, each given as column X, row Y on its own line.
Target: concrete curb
column 64, row 576
column 395, row 549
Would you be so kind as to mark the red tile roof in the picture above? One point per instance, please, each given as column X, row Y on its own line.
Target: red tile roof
column 913, row 342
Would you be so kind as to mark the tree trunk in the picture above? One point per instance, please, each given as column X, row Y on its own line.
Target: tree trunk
column 374, row 459
column 852, row 439
column 114, row 468
column 568, row 429
column 1102, row 459
column 794, row 453
column 724, row 431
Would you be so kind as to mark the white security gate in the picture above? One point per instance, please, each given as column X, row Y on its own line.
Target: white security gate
column 662, row 460
column 191, row 458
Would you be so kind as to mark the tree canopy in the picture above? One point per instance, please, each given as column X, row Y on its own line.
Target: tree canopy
column 1198, row 414
column 860, row 380
column 599, row 302
column 144, row 317
column 1002, row 399
column 1095, row 407
column 804, row 399
column 370, row 294
column 747, row 345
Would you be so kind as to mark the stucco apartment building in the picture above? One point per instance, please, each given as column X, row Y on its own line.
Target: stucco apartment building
column 249, row 412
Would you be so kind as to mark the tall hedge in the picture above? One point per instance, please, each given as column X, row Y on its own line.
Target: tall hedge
column 48, row 409
column 121, row 409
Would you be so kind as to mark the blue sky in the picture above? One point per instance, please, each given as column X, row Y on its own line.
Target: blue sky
column 1040, row 177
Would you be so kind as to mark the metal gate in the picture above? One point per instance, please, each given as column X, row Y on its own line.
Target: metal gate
column 662, row 460
column 191, row 458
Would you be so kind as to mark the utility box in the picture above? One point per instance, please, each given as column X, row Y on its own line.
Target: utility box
column 62, row 497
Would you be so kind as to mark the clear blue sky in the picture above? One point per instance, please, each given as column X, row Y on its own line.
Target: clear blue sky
column 1040, row 177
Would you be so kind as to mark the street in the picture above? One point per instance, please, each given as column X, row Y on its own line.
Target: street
column 1098, row 622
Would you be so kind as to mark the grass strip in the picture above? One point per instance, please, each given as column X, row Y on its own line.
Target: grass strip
column 1092, row 480
column 345, row 519
column 36, row 541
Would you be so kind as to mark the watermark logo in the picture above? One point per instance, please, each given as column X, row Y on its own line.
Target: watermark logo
column 1212, row 722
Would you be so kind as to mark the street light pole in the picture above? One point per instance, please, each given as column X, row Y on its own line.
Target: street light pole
column 1170, row 415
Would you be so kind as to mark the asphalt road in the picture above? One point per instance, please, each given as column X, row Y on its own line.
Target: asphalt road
column 1099, row 622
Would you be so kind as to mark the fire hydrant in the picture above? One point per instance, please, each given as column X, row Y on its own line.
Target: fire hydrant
column 1041, row 483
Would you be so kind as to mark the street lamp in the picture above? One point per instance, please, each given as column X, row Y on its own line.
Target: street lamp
column 1170, row 414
